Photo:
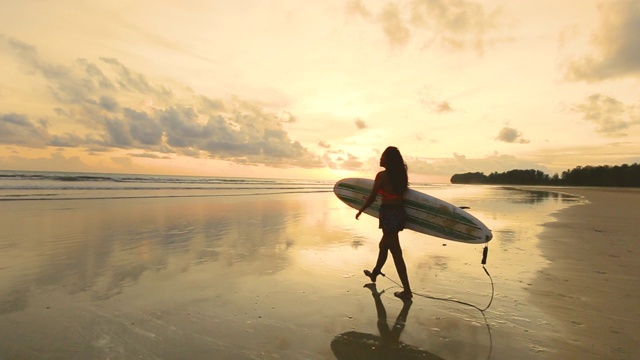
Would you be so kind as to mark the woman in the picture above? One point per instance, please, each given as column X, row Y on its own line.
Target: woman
column 391, row 185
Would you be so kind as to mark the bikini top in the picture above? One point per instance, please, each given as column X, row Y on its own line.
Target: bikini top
column 388, row 196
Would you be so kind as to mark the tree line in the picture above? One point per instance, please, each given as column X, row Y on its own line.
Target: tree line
column 614, row 176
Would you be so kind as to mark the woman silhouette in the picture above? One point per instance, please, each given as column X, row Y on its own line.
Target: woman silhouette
column 391, row 185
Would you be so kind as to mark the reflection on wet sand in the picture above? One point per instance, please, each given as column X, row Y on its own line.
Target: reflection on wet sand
column 533, row 196
column 387, row 345
column 111, row 279
column 357, row 345
column 106, row 248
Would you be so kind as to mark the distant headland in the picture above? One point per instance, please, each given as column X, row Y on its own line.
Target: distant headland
column 612, row 176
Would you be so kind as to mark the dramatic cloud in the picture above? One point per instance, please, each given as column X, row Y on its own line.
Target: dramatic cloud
column 454, row 24
column 511, row 135
column 612, row 117
column 68, row 140
column 17, row 129
column 616, row 44
column 113, row 106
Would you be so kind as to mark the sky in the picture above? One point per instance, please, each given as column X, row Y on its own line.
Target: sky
column 318, row 89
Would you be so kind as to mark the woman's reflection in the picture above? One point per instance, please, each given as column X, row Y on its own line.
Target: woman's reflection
column 357, row 345
column 390, row 336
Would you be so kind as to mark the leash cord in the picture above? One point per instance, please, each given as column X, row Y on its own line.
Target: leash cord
column 484, row 261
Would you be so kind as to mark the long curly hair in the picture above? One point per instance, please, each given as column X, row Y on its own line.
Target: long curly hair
column 396, row 169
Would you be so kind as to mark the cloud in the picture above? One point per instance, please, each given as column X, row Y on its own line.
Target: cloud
column 108, row 103
column 431, row 101
column 395, row 29
column 114, row 106
column 143, row 128
column 457, row 23
column 129, row 80
column 443, row 107
column 30, row 59
column 616, row 44
column 287, row 117
column 149, row 155
column 352, row 162
column 355, row 7
column 438, row 107
column 67, row 140
column 340, row 159
column 17, row 129
column 453, row 24
column 324, row 144
column 360, row 124
column 511, row 135
column 611, row 116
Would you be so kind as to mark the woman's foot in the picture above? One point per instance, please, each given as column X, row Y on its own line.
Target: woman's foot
column 372, row 275
column 404, row 295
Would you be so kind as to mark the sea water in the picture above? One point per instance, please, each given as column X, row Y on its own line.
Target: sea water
column 39, row 185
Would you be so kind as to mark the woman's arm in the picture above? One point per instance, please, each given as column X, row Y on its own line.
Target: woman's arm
column 374, row 192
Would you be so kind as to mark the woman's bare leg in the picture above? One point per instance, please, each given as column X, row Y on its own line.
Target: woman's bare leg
column 383, row 253
column 401, row 267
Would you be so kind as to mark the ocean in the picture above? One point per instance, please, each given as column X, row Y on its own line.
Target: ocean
column 40, row 185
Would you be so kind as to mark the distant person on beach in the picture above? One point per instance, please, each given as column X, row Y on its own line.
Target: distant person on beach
column 391, row 185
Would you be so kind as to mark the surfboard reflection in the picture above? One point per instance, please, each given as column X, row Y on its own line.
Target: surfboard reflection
column 357, row 345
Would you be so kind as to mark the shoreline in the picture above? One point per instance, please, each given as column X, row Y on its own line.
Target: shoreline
column 590, row 285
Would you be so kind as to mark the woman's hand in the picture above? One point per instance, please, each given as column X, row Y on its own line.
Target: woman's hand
column 358, row 214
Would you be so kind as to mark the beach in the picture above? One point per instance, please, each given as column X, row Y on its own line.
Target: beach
column 590, row 286
column 279, row 276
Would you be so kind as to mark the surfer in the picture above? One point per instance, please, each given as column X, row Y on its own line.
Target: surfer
column 391, row 185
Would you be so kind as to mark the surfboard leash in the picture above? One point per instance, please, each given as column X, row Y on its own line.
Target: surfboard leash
column 485, row 253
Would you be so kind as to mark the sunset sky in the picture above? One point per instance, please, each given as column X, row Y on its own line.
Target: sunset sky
column 318, row 89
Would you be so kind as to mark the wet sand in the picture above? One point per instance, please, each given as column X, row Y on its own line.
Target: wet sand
column 591, row 284
column 280, row 277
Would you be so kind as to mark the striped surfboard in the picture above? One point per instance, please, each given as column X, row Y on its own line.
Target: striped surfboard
column 425, row 213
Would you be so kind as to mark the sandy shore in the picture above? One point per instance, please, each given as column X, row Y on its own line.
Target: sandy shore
column 280, row 277
column 591, row 285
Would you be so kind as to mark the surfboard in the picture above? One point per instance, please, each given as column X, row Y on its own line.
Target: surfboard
column 425, row 213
